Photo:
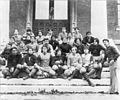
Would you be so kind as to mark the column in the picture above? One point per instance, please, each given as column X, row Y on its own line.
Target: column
column 29, row 14
column 99, row 18
column 4, row 21
column 73, row 14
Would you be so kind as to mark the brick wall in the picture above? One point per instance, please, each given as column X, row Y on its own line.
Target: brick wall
column 84, row 15
column 112, row 17
column 18, row 15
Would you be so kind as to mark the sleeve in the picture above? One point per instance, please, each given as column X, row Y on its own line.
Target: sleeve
column 9, row 61
column 116, row 55
column 68, row 60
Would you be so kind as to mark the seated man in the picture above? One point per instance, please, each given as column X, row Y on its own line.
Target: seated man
column 58, row 63
column 65, row 47
column 29, row 64
column 74, row 64
column 14, row 61
column 88, row 63
column 49, row 47
column 89, row 39
column 96, row 50
column 44, row 63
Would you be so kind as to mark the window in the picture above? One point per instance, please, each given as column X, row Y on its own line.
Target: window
column 51, row 9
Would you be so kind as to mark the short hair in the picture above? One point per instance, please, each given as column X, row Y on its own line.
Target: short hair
column 88, row 32
column 105, row 40
column 76, row 28
column 57, row 51
column 45, row 39
column 74, row 47
column 77, row 39
column 29, row 48
column 29, row 30
column 14, row 48
column 97, row 40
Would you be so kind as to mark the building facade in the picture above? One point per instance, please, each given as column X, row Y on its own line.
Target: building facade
column 101, row 17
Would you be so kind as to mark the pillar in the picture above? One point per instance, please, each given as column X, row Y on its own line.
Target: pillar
column 4, row 21
column 29, row 14
column 73, row 14
column 99, row 18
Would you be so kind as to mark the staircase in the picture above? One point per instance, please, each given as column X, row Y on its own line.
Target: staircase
column 33, row 86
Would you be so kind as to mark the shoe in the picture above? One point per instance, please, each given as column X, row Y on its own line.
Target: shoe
column 91, row 84
column 40, row 77
column 69, row 78
column 8, row 77
column 24, row 78
column 96, row 78
column 116, row 93
column 54, row 76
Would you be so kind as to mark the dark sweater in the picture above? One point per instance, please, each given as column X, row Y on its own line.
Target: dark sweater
column 30, row 60
column 95, row 49
column 88, row 40
column 111, row 53
column 65, row 48
column 13, row 60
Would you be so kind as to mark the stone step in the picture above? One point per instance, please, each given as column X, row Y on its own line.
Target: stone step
column 52, row 82
column 14, row 89
column 105, row 74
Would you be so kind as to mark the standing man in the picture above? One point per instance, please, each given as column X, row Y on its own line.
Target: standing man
column 114, row 62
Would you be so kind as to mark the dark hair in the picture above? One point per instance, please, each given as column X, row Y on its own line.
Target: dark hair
column 77, row 39
column 57, row 51
column 45, row 47
column 88, row 32
column 29, row 48
column 76, row 28
column 97, row 40
column 29, row 30
column 45, row 39
column 14, row 48
column 105, row 40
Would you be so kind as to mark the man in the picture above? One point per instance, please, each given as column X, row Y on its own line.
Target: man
column 88, row 40
column 49, row 46
column 49, row 34
column 44, row 63
column 40, row 37
column 29, row 64
column 14, row 61
column 16, row 36
column 54, row 43
column 63, row 34
column 74, row 64
column 27, row 36
column 114, row 62
column 65, row 47
column 77, row 33
column 96, row 50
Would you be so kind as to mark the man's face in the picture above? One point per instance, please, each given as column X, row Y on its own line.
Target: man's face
column 74, row 50
column 95, row 42
column 30, row 51
column 44, row 49
column 86, row 51
column 14, row 51
column 89, row 34
column 63, row 30
column 64, row 40
column 40, row 33
column 106, row 43
column 46, row 42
